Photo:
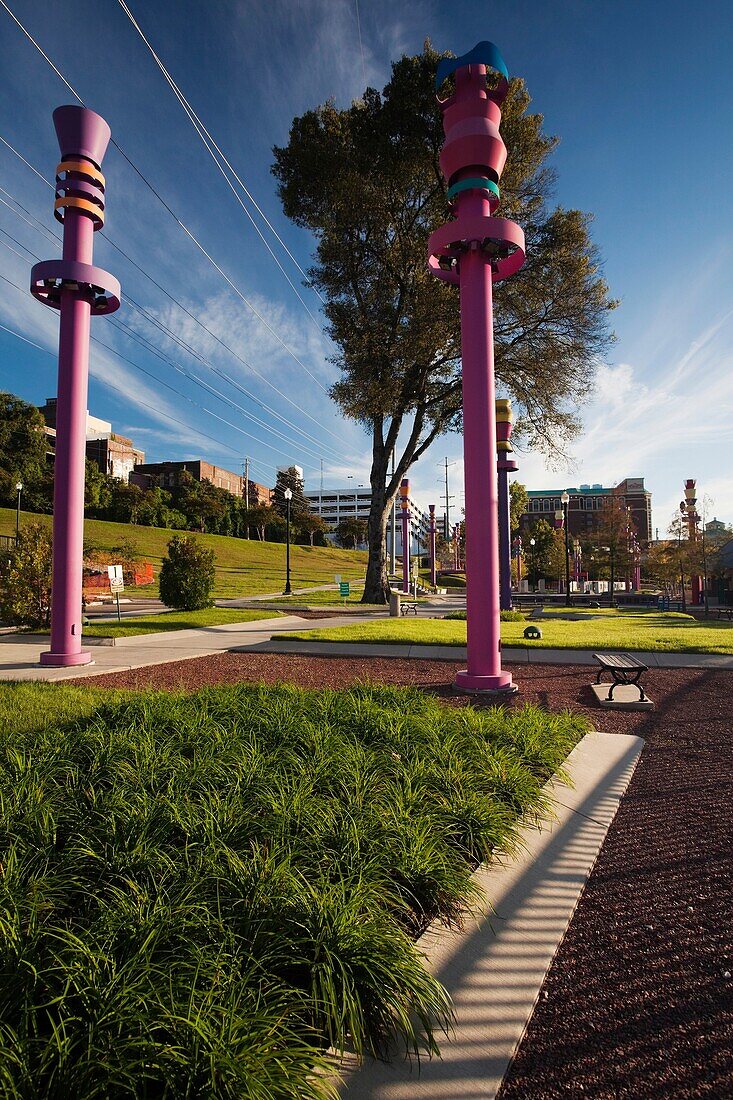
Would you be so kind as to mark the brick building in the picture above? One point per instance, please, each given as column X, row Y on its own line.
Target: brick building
column 114, row 454
column 167, row 476
column 586, row 503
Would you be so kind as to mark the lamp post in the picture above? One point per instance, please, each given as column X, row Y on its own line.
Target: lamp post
column 473, row 250
column 565, row 501
column 288, row 494
column 683, row 507
column 19, row 490
column 79, row 291
column 532, row 544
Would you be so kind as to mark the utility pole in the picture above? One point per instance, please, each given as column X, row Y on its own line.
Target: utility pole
column 246, row 491
column 321, row 477
column 448, row 499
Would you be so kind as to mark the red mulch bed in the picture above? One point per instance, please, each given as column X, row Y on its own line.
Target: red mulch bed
column 637, row 1004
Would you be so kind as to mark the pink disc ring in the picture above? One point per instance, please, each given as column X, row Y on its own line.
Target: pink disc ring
column 51, row 277
column 502, row 240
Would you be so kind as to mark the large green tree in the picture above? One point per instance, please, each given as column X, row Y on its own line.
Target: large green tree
column 22, row 447
column 366, row 182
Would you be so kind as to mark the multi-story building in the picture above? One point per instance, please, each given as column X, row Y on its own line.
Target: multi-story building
column 114, row 454
column 167, row 476
column 333, row 505
column 586, row 503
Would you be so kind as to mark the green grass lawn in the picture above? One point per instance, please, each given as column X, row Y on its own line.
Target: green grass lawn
column 201, row 893
column 243, row 567
column 637, row 630
column 174, row 620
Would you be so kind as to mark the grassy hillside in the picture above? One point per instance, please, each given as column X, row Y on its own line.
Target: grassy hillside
column 242, row 568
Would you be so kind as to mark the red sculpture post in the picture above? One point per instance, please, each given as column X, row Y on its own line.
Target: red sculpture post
column 474, row 250
column 79, row 290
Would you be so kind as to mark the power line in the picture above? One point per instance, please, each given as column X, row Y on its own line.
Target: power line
column 217, row 156
column 161, row 382
column 175, row 217
column 194, row 318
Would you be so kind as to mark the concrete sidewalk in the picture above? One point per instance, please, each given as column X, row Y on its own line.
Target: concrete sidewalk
column 494, row 967
column 19, row 658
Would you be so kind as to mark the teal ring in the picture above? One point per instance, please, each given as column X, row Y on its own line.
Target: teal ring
column 474, row 184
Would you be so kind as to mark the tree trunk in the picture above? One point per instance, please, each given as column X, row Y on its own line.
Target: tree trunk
column 376, row 587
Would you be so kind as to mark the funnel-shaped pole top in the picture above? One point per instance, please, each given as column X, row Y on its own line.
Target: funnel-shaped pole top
column 81, row 133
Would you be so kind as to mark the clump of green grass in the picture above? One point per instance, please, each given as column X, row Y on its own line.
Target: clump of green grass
column 505, row 616
column 199, row 894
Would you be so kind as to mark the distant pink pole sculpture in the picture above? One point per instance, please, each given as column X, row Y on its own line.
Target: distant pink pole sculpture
column 431, row 532
column 405, row 515
column 79, row 290
column 504, row 465
column 474, row 250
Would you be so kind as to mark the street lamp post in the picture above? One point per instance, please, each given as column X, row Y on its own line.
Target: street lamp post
column 19, row 490
column 532, row 544
column 432, row 533
column 565, row 501
column 288, row 494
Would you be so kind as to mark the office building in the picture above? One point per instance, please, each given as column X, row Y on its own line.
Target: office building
column 586, row 504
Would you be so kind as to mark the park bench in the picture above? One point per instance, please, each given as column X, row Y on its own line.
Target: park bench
column 624, row 669
column 407, row 606
column 725, row 613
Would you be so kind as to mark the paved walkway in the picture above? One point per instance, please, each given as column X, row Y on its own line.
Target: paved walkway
column 19, row 655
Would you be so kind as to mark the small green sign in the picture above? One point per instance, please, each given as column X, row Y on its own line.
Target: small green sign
column 344, row 589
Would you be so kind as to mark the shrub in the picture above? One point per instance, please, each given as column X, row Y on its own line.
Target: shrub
column 187, row 574
column 25, row 579
column 202, row 893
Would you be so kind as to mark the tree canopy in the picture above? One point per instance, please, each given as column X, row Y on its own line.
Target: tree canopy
column 365, row 180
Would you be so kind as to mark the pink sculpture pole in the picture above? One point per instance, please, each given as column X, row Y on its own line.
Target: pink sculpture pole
column 79, row 290
column 431, row 533
column 474, row 250
column 504, row 464
column 405, row 515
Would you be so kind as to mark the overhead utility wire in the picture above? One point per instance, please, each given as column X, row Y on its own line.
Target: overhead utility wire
column 119, row 389
column 202, row 129
column 217, row 156
column 132, row 335
column 197, row 321
column 161, row 382
column 153, row 320
column 175, row 217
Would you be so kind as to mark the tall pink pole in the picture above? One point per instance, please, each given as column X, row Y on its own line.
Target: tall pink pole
column 405, row 516
column 475, row 250
column 432, row 533
column 78, row 290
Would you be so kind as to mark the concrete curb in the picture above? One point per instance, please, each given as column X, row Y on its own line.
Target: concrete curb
column 494, row 969
column 514, row 655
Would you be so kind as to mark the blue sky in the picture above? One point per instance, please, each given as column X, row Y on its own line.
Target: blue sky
column 640, row 93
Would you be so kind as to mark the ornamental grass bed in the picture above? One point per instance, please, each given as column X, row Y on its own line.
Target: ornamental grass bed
column 202, row 893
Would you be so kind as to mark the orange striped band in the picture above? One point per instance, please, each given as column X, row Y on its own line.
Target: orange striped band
column 84, row 168
column 79, row 204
